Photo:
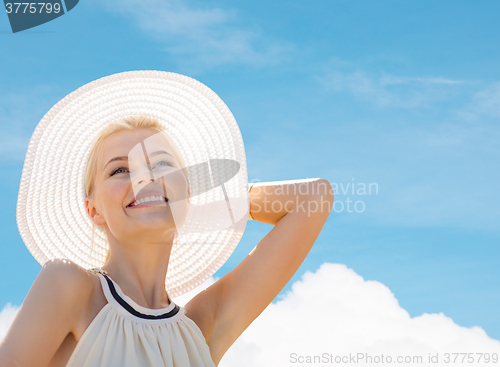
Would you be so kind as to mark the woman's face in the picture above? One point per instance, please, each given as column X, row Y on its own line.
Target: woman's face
column 140, row 190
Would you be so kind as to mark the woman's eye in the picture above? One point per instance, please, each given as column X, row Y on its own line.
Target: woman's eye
column 165, row 163
column 118, row 170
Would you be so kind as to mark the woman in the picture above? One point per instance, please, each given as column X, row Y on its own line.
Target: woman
column 142, row 186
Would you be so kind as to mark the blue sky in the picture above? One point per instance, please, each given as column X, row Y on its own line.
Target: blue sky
column 403, row 95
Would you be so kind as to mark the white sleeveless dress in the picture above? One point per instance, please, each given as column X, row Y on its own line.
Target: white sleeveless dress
column 125, row 334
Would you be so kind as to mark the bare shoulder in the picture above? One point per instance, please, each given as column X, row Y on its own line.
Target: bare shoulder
column 52, row 310
column 65, row 268
column 74, row 279
column 68, row 282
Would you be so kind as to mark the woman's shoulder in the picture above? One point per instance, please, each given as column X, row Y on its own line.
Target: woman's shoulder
column 80, row 285
column 55, row 306
column 68, row 274
column 68, row 280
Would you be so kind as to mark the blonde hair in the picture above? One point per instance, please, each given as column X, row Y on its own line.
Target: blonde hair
column 127, row 124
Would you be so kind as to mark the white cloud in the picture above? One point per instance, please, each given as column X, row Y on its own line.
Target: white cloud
column 202, row 37
column 6, row 317
column 336, row 311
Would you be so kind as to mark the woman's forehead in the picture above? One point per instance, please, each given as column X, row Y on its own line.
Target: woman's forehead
column 134, row 143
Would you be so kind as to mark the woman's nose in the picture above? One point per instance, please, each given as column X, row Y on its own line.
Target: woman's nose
column 145, row 177
column 141, row 181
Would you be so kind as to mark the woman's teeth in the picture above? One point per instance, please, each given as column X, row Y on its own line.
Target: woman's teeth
column 148, row 199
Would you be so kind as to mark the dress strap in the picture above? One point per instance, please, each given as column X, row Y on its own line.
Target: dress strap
column 115, row 296
column 99, row 270
column 104, row 284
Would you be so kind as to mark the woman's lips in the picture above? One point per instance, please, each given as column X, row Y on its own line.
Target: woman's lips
column 151, row 203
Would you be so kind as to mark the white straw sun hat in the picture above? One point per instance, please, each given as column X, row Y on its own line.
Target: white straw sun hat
column 51, row 214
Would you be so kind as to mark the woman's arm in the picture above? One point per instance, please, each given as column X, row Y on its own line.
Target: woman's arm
column 271, row 201
column 298, row 210
column 49, row 312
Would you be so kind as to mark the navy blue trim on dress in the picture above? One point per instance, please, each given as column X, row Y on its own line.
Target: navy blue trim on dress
column 133, row 311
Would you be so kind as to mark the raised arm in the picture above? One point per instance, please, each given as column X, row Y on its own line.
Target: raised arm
column 48, row 314
column 298, row 210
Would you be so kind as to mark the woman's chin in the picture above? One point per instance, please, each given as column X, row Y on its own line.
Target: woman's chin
column 151, row 232
column 151, row 223
column 156, row 222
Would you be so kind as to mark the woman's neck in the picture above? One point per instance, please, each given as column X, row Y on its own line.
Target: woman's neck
column 140, row 271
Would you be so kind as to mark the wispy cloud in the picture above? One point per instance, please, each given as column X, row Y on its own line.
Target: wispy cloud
column 203, row 37
column 412, row 135
column 385, row 90
column 394, row 80
column 335, row 311
column 485, row 102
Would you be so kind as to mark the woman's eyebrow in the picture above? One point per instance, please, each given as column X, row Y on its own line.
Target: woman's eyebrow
column 123, row 158
column 159, row 152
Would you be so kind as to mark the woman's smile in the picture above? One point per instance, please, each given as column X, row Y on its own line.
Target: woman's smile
column 148, row 201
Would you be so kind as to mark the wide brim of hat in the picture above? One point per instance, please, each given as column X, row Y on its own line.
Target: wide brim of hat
column 51, row 214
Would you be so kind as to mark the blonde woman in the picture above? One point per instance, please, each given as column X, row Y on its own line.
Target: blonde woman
column 134, row 191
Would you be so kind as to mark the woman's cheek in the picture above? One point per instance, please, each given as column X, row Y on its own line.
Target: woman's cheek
column 117, row 192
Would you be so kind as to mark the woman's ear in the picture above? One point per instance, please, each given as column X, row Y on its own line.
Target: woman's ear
column 92, row 212
column 189, row 195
